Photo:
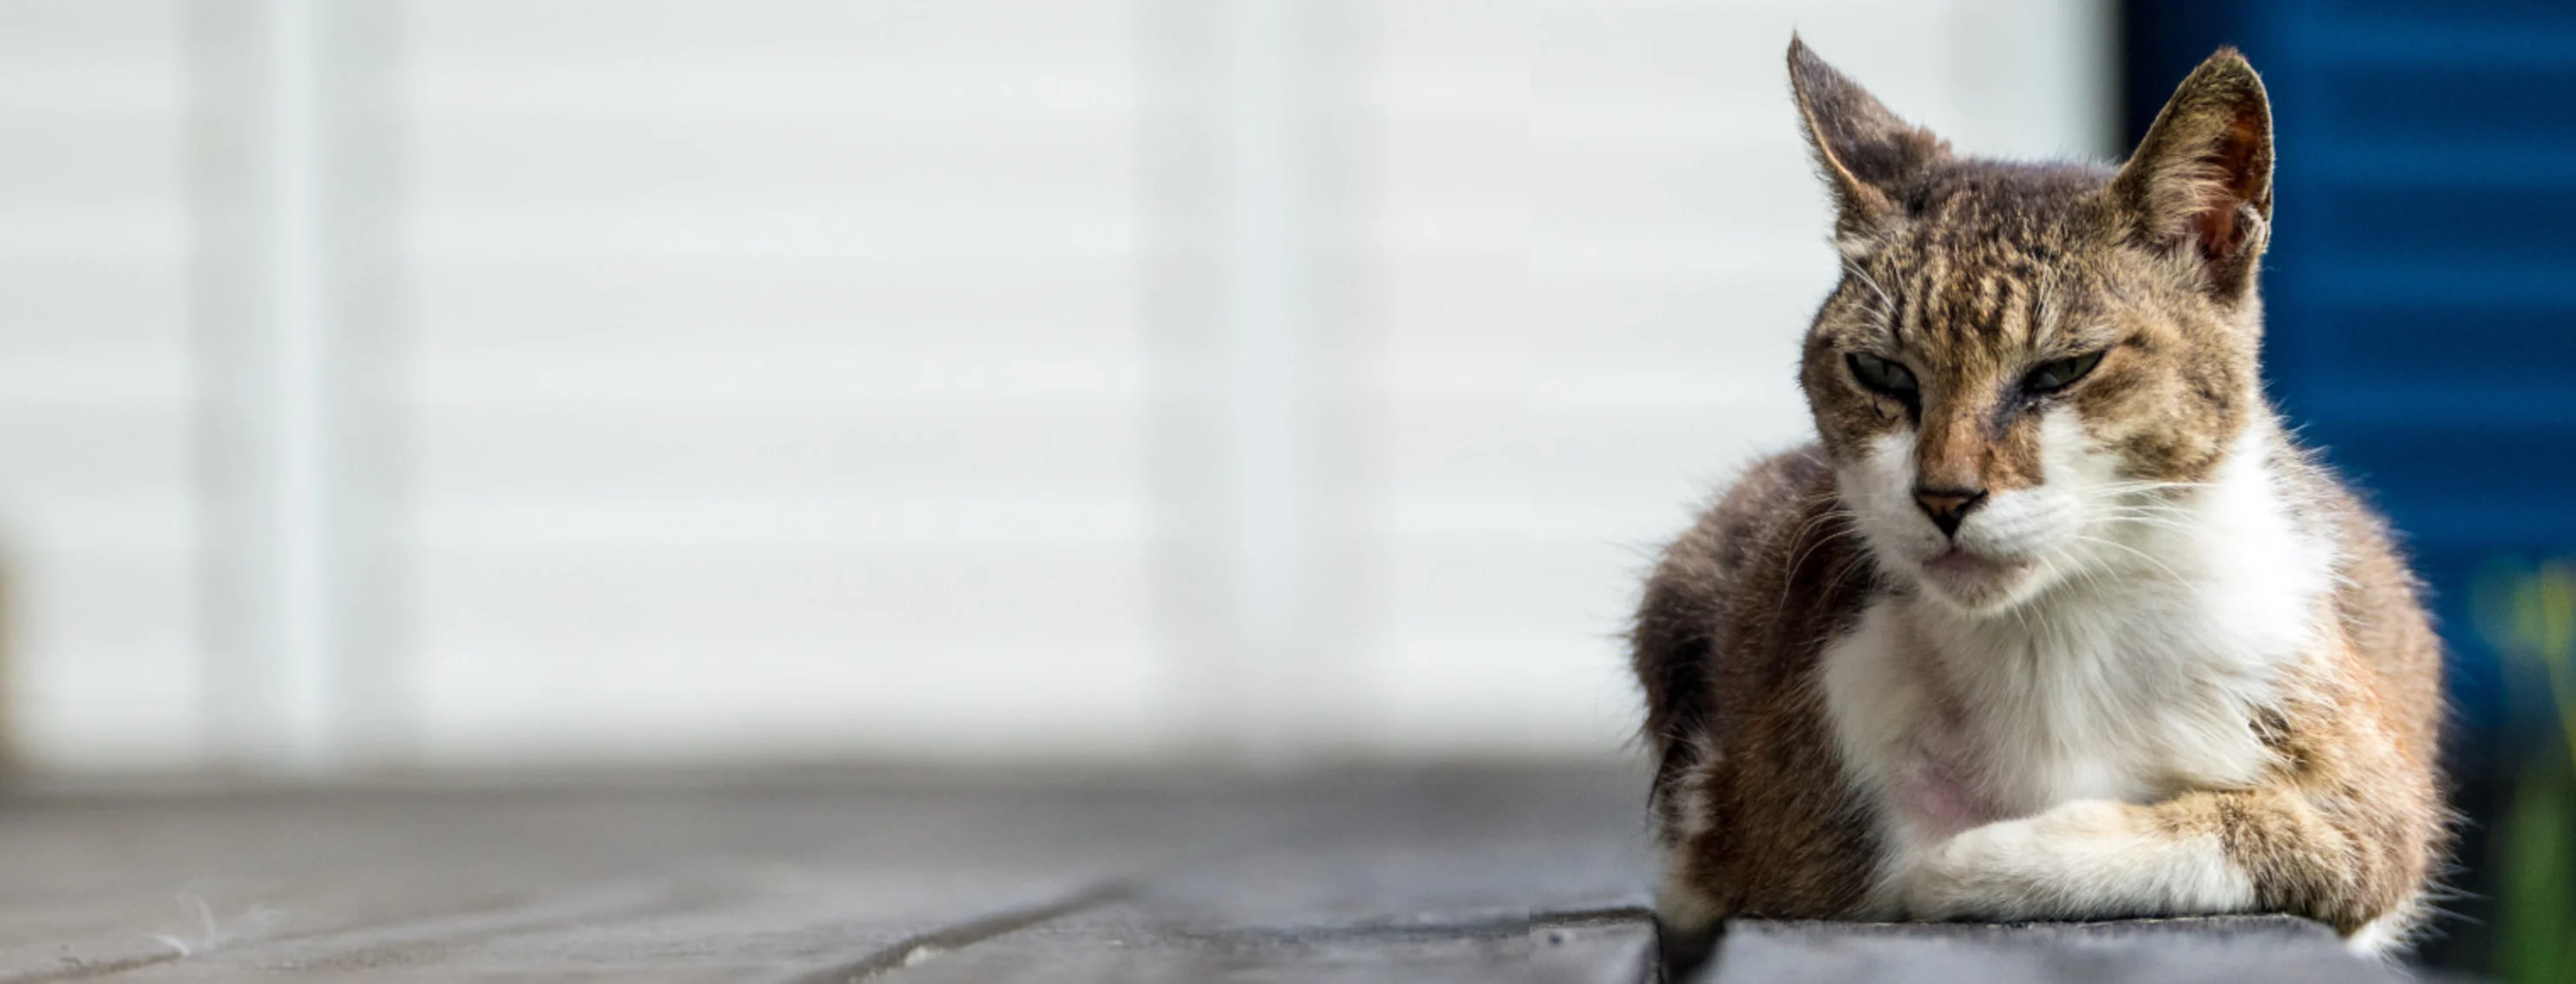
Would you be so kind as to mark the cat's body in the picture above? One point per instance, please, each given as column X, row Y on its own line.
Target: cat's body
column 2056, row 621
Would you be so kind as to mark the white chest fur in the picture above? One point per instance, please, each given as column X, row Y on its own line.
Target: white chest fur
column 2134, row 676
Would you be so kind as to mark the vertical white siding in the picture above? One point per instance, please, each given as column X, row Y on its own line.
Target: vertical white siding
column 1449, row 663
column 732, row 379
column 775, row 378
column 95, row 432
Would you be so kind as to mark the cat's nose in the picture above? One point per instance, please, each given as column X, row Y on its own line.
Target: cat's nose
column 1948, row 507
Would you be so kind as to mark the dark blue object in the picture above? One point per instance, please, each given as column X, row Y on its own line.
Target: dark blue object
column 2421, row 285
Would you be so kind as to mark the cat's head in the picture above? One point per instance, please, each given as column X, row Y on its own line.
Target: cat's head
column 2025, row 363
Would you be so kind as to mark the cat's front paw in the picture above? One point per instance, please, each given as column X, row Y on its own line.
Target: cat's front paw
column 1970, row 876
column 2012, row 869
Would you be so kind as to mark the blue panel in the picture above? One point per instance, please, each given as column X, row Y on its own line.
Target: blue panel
column 2507, row 107
column 2443, row 222
column 2453, row 348
column 2486, row 486
column 2500, row 12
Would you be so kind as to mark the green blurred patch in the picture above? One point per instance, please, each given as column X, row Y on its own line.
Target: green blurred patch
column 2528, row 613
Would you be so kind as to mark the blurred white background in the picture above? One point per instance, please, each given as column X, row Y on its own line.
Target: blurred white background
column 576, row 381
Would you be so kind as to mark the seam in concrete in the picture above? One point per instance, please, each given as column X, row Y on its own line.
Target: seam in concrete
column 920, row 948
column 1578, row 918
column 84, row 971
column 1393, row 932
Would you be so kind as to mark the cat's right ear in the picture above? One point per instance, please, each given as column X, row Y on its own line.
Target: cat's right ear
column 2200, row 183
column 1867, row 155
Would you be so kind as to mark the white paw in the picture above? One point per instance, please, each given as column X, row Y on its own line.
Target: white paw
column 2014, row 869
column 2080, row 860
column 1968, row 876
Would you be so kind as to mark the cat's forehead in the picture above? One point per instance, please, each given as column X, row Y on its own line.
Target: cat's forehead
column 1975, row 212
column 1985, row 267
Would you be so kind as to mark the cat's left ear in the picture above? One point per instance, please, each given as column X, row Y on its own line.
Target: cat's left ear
column 1868, row 155
column 2200, row 183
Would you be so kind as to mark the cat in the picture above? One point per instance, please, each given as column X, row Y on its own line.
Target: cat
column 2055, row 619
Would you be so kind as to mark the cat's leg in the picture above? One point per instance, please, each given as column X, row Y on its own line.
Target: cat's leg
column 2337, row 858
column 1673, row 646
column 1688, row 916
column 1687, row 919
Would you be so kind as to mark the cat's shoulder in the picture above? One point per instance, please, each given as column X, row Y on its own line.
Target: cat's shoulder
column 1771, row 512
column 1781, row 480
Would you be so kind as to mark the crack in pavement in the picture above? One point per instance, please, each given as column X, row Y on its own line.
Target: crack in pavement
column 1505, row 926
column 921, row 947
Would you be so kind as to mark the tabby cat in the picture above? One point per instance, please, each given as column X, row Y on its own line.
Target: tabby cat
column 2055, row 620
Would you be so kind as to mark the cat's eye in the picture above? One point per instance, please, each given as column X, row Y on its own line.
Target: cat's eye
column 1883, row 375
column 2059, row 374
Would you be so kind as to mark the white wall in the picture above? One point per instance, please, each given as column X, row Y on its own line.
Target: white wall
column 1249, row 379
column 97, row 440
column 776, row 381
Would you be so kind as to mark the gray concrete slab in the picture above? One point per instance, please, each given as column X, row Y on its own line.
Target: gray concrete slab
column 1462, row 875
column 2220, row 950
column 821, row 876
column 1440, row 880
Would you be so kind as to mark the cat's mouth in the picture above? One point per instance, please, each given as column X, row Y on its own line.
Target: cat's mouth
column 1972, row 577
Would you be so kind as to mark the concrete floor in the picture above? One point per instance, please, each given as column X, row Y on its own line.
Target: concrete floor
column 1456, row 875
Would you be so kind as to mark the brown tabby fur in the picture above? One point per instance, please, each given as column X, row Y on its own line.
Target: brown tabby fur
column 1975, row 270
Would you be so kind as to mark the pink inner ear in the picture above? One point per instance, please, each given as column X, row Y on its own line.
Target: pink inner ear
column 2239, row 180
column 2215, row 226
